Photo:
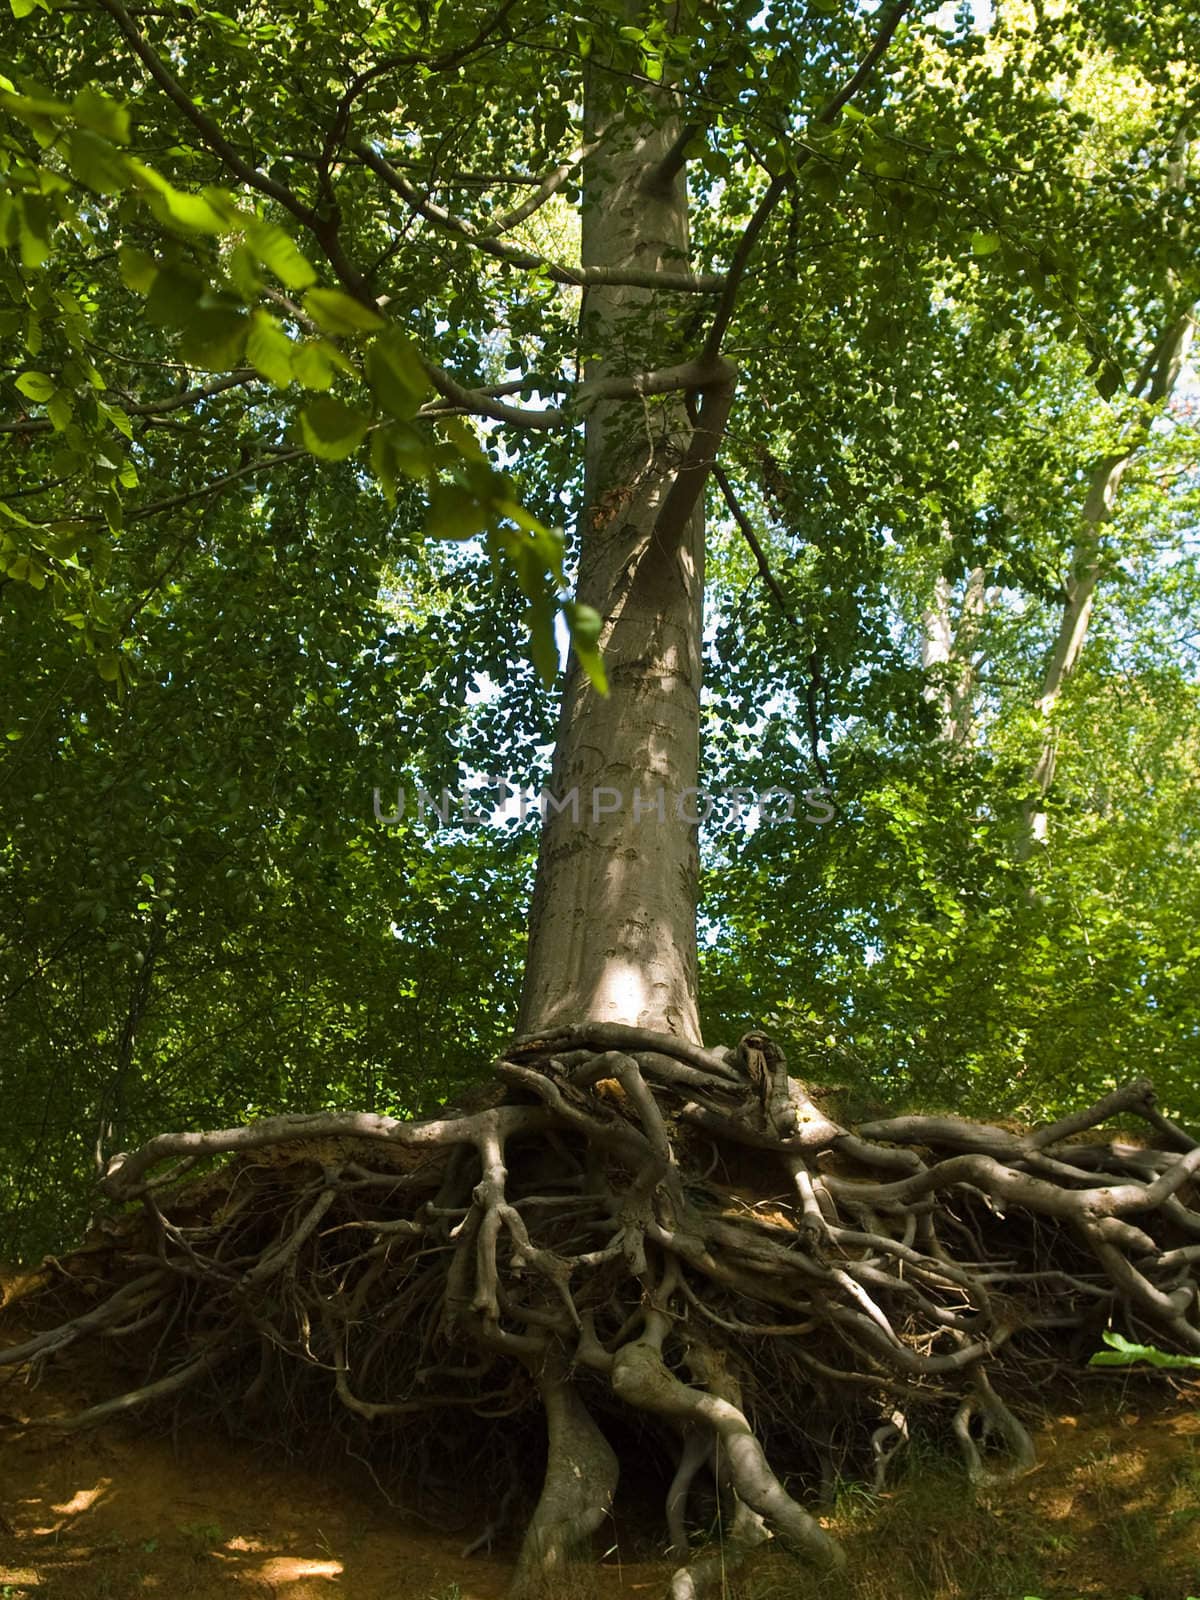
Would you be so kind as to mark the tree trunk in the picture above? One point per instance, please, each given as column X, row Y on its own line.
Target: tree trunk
column 613, row 920
column 948, row 652
column 1158, row 379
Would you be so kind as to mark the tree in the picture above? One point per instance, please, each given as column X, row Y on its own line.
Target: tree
column 286, row 220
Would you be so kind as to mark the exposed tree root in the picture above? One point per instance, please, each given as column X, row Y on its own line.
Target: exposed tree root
column 630, row 1227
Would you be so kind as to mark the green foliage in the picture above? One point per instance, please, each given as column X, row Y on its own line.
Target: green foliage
column 259, row 556
column 906, row 948
column 196, row 899
column 202, row 283
column 1122, row 1353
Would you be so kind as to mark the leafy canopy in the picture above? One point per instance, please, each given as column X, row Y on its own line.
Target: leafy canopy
column 293, row 402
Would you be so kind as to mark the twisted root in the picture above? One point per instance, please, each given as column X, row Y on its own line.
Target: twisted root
column 627, row 1224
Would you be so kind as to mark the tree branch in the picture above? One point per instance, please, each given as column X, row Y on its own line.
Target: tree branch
column 324, row 228
column 546, row 189
column 708, row 433
column 139, row 513
column 483, row 403
column 276, row 460
column 514, row 256
column 778, row 185
column 688, row 377
column 660, row 178
column 887, row 28
column 200, row 120
column 750, row 535
column 338, row 128
column 1157, row 379
column 151, row 408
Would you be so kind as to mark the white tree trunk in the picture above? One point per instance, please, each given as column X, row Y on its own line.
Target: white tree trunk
column 947, row 653
column 1159, row 377
column 937, row 644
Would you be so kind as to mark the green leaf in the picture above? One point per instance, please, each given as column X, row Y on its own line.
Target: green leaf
column 383, row 463
column 66, row 537
column 455, row 513
column 715, row 162
column 215, row 337
column 586, row 625
column 543, row 648
column 36, row 386
column 460, row 434
column 269, row 350
column 312, row 364
column 1122, row 1352
column 822, row 178
column 192, row 211
column 278, row 251
column 331, row 429
column 399, row 450
column 585, row 622
column 34, row 225
column 211, row 212
column 244, row 273
column 546, row 545
column 335, row 312
column 37, row 110
column 117, row 417
column 95, row 164
column 60, row 409
column 106, row 117
column 984, row 244
column 137, row 268
column 395, row 374
column 174, row 296
column 1109, row 381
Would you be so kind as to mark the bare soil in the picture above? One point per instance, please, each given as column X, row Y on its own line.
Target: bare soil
column 1111, row 1512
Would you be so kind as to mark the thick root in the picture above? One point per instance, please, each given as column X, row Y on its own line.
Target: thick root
column 629, row 1227
column 577, row 1492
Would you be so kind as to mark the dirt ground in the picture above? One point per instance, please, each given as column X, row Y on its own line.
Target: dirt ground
column 1111, row 1512
column 128, row 1510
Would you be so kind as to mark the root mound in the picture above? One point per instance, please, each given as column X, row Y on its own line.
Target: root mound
column 667, row 1258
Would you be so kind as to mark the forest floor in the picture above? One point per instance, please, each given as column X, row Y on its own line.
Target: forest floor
column 138, row 1508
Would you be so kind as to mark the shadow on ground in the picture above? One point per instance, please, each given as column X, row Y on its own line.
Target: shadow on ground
column 1111, row 1512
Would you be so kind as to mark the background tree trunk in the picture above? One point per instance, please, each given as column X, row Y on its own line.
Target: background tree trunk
column 1157, row 381
column 947, row 653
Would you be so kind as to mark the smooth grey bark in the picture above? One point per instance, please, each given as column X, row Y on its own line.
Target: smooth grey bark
column 612, row 926
column 613, row 919
column 976, row 598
